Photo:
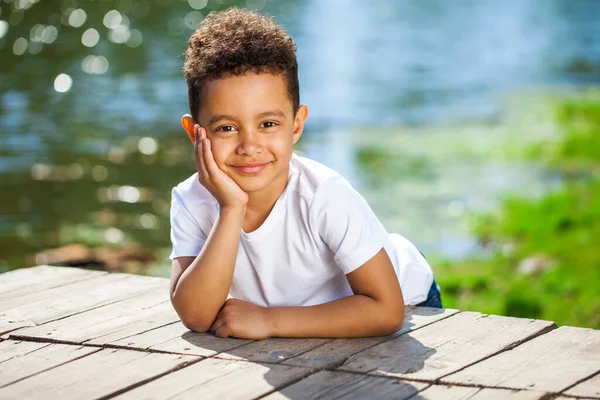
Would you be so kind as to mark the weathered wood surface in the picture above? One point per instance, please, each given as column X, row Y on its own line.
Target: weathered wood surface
column 589, row 388
column 71, row 333
column 572, row 354
column 446, row 346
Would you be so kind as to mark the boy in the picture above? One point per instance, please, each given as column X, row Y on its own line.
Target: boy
column 267, row 243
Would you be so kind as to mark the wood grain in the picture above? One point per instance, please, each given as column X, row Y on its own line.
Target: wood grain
column 588, row 388
column 176, row 338
column 337, row 351
column 572, row 354
column 25, row 281
column 19, row 360
column 346, row 386
column 99, row 374
column 111, row 322
column 446, row 346
column 473, row 393
column 218, row 379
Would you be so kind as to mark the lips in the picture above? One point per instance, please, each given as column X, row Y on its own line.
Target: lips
column 250, row 169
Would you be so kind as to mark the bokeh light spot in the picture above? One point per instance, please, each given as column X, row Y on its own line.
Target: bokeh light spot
column 20, row 46
column 112, row 19
column 49, row 34
column 99, row 173
column 77, row 18
column 63, row 83
column 113, row 235
column 148, row 145
column 192, row 19
column 90, row 37
column 3, row 28
column 135, row 38
column 198, row 4
column 128, row 194
column 95, row 65
column 119, row 34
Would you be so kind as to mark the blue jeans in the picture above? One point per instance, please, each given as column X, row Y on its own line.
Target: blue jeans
column 434, row 297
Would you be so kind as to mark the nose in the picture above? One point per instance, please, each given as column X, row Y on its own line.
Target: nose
column 250, row 143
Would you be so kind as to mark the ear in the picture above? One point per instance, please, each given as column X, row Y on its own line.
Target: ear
column 299, row 120
column 188, row 125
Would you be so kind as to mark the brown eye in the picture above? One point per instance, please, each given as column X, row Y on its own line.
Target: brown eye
column 269, row 124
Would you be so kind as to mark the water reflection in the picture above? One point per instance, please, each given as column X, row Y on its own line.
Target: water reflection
column 91, row 95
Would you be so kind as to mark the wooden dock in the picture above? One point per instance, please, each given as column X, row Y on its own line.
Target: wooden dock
column 70, row 333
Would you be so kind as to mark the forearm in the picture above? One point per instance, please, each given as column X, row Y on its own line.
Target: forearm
column 353, row 316
column 204, row 285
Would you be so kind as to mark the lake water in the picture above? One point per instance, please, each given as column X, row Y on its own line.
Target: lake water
column 91, row 95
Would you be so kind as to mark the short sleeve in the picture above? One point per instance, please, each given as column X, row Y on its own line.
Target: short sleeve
column 343, row 219
column 186, row 235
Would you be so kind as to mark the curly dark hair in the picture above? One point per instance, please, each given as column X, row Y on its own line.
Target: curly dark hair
column 236, row 42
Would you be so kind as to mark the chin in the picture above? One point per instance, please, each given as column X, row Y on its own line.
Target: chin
column 251, row 185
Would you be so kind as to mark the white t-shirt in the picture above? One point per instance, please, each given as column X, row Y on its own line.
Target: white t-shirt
column 319, row 230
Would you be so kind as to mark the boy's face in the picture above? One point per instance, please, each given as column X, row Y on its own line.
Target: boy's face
column 250, row 123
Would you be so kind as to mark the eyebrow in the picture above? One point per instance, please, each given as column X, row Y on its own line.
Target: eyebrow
column 219, row 117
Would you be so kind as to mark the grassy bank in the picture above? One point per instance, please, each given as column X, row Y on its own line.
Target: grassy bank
column 543, row 258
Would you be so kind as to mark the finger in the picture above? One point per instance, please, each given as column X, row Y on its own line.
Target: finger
column 223, row 331
column 220, row 321
column 211, row 164
column 200, row 164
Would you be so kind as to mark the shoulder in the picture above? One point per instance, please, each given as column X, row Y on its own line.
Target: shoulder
column 190, row 199
column 191, row 192
column 312, row 177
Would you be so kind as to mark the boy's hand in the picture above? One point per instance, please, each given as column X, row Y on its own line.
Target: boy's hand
column 242, row 320
column 219, row 184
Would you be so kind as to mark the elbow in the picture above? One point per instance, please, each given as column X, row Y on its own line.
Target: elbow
column 393, row 322
column 190, row 318
column 193, row 324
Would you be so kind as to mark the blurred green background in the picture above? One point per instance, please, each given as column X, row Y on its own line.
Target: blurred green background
column 471, row 127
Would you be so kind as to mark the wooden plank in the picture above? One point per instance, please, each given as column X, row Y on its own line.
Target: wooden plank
column 274, row 350
column 570, row 354
column 337, row 351
column 176, row 338
column 345, row 386
column 102, row 373
column 75, row 287
column 589, row 388
column 85, row 295
column 444, row 347
column 25, row 281
column 437, row 392
column 19, row 360
column 111, row 322
column 218, row 379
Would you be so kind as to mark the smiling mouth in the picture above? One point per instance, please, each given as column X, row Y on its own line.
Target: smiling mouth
column 250, row 169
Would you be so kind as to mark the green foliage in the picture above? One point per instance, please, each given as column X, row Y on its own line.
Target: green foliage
column 545, row 253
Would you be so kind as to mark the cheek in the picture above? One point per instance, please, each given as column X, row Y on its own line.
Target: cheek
column 220, row 150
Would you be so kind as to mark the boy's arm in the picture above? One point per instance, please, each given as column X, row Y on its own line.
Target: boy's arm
column 200, row 285
column 375, row 309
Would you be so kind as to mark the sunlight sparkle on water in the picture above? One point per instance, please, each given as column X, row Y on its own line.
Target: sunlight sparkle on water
column 3, row 28
column 112, row 19
column 94, row 65
column 90, row 37
column 148, row 145
column 77, row 18
column 120, row 34
column 198, row 4
column 20, row 46
column 192, row 19
column 63, row 83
